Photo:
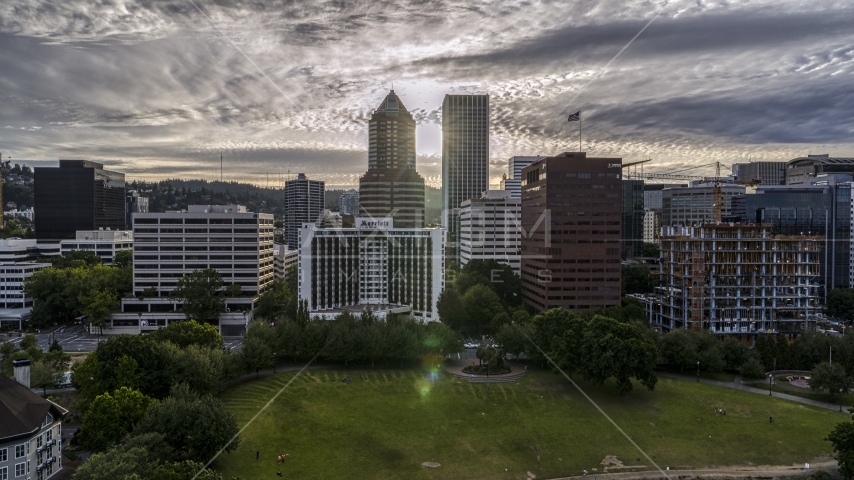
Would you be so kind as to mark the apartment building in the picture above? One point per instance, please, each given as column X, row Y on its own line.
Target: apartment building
column 740, row 279
column 490, row 229
column 236, row 243
column 377, row 266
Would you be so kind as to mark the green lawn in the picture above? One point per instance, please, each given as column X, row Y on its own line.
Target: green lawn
column 386, row 423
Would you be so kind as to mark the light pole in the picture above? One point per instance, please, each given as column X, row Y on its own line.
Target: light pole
column 698, row 371
column 770, row 377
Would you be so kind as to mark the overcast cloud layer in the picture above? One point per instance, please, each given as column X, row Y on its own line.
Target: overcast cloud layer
column 158, row 89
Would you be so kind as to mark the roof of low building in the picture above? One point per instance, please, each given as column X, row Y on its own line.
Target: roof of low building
column 22, row 411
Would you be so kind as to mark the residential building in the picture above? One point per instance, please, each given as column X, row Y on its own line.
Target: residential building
column 104, row 243
column 490, row 229
column 79, row 195
column 283, row 259
column 304, row 202
column 30, row 429
column 689, row 206
column 739, row 279
column 650, row 226
column 166, row 246
column 375, row 265
column 465, row 159
column 766, row 173
column 800, row 170
column 12, row 276
column 134, row 203
column 348, row 204
column 391, row 188
column 810, row 210
column 633, row 215
column 571, row 232
column 331, row 219
column 513, row 182
column 28, row 213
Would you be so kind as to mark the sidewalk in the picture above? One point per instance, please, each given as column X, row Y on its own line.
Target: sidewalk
column 759, row 471
column 740, row 386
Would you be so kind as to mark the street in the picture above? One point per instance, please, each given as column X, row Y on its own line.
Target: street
column 74, row 338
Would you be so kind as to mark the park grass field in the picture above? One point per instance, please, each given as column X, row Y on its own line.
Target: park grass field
column 386, row 423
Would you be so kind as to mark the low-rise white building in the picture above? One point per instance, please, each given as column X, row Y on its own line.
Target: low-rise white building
column 104, row 243
column 490, row 229
column 236, row 243
column 374, row 265
column 283, row 259
column 12, row 276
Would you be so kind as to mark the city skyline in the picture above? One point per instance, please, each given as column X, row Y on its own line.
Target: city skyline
column 158, row 90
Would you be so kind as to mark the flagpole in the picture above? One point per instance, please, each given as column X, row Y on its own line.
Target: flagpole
column 579, row 133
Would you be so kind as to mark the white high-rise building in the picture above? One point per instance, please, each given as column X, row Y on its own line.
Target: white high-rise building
column 348, row 204
column 490, row 229
column 650, row 226
column 236, row 243
column 377, row 266
column 513, row 180
column 304, row 202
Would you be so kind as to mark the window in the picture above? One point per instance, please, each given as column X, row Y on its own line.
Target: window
column 39, row 442
column 4, row 473
column 4, row 455
column 20, row 450
column 20, row 469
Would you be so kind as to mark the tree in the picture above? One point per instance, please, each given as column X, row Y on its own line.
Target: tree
column 450, row 308
column 499, row 277
column 197, row 426
column 481, row 305
column 613, row 349
column 97, row 306
column 189, row 332
column 142, row 457
column 678, row 349
column 111, row 417
column 76, row 259
column 637, row 279
column 753, row 368
column 842, row 439
column 7, row 350
column 124, row 259
column 29, row 341
column 734, row 353
column 277, row 303
column 840, row 303
column 512, row 337
column 200, row 292
column 257, row 355
column 651, row 250
column 127, row 373
column 44, row 375
column 831, row 378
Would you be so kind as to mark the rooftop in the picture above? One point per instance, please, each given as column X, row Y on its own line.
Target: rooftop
column 22, row 411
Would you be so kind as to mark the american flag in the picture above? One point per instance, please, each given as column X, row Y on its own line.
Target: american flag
column 575, row 117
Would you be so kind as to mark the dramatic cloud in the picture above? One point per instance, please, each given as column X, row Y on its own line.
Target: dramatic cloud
column 159, row 88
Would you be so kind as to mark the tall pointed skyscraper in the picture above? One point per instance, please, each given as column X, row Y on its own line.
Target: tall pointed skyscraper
column 465, row 160
column 392, row 187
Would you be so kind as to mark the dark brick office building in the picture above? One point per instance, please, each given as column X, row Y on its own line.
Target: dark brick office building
column 79, row 195
column 571, row 220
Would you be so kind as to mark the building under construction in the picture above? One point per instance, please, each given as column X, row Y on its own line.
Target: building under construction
column 739, row 279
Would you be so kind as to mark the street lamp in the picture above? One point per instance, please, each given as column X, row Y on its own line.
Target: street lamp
column 770, row 378
column 698, row 371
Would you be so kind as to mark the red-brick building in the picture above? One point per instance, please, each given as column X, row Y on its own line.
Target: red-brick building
column 571, row 216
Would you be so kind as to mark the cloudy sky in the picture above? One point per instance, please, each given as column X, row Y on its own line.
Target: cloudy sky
column 158, row 88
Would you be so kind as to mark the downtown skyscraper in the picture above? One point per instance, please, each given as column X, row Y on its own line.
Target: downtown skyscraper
column 465, row 160
column 391, row 188
column 304, row 202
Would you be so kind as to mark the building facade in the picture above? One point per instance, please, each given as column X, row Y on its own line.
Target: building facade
column 490, row 229
column 650, row 226
column 134, row 203
column 633, row 215
column 79, row 195
column 391, row 188
column 766, row 173
column 801, row 170
column 465, row 159
column 283, row 260
column 236, row 243
column 103, row 243
column 374, row 265
column 688, row 206
column 348, row 204
column 512, row 181
column 571, row 232
column 12, row 276
column 740, row 279
column 304, row 202
column 30, row 430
